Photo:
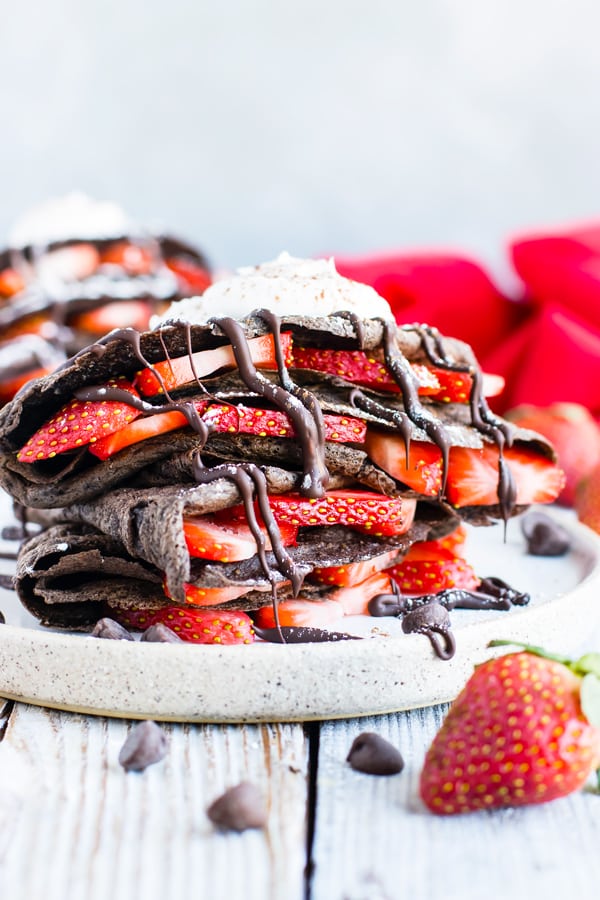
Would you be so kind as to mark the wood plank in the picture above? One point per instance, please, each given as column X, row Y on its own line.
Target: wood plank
column 96, row 832
column 374, row 840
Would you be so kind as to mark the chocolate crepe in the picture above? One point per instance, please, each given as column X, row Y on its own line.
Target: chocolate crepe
column 162, row 460
column 116, row 552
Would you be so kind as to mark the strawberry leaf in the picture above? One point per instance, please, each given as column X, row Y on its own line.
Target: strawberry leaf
column 589, row 663
column 590, row 698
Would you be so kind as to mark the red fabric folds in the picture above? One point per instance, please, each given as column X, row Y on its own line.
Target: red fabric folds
column 545, row 343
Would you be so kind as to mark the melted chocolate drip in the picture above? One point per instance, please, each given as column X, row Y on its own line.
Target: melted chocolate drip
column 288, row 634
column 357, row 324
column 316, row 476
column 250, row 482
column 401, row 371
column 306, row 397
column 396, row 417
column 492, row 594
column 482, row 417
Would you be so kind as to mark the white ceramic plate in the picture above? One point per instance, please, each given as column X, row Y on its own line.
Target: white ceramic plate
column 385, row 672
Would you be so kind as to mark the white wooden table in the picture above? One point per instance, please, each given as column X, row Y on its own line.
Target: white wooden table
column 75, row 826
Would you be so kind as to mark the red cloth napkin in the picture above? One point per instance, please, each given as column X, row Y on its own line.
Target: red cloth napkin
column 546, row 342
column 451, row 292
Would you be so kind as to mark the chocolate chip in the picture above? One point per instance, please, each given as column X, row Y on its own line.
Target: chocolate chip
column 544, row 536
column 2, row 619
column 239, row 808
column 374, row 755
column 424, row 618
column 161, row 634
column 146, row 744
column 111, row 630
column 433, row 621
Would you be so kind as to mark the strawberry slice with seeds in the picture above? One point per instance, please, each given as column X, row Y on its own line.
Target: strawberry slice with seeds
column 352, row 573
column 300, row 613
column 364, row 511
column 225, row 419
column 185, row 369
column 455, row 387
column 274, row 423
column 472, row 473
column 199, row 626
column 359, row 367
column 421, row 470
column 208, row 538
column 430, row 570
column 78, row 423
column 473, row 476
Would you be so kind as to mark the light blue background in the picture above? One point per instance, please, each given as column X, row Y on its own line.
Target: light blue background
column 346, row 126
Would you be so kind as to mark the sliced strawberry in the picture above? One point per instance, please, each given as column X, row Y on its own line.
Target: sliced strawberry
column 121, row 314
column 191, row 276
column 423, row 470
column 473, row 476
column 454, row 543
column 358, row 367
column 133, row 259
column 10, row 283
column 472, row 473
column 431, row 573
column 364, row 511
column 185, row 369
column 232, row 419
column 137, row 431
column 303, row 613
column 195, row 625
column 355, row 600
column 455, row 387
column 273, row 423
column 208, row 538
column 207, row 596
column 352, row 573
column 78, row 423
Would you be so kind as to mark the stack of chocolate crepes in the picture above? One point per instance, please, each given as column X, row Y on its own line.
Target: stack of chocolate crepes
column 245, row 461
column 76, row 268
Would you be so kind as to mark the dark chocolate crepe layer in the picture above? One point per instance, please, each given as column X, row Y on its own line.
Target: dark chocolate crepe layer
column 79, row 476
column 71, row 574
column 149, row 524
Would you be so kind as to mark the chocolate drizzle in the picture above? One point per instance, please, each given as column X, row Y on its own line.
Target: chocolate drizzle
column 357, row 324
column 400, row 369
column 492, row 594
column 302, row 635
column 310, row 435
column 482, row 417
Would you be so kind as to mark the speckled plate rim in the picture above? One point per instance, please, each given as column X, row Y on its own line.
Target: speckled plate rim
column 274, row 683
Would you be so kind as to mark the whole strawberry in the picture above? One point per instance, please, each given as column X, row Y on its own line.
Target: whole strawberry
column 525, row 729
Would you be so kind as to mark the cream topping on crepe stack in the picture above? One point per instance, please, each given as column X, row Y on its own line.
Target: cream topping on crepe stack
column 73, row 216
column 287, row 286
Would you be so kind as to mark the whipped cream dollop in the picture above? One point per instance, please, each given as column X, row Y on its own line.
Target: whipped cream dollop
column 287, row 286
column 73, row 216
